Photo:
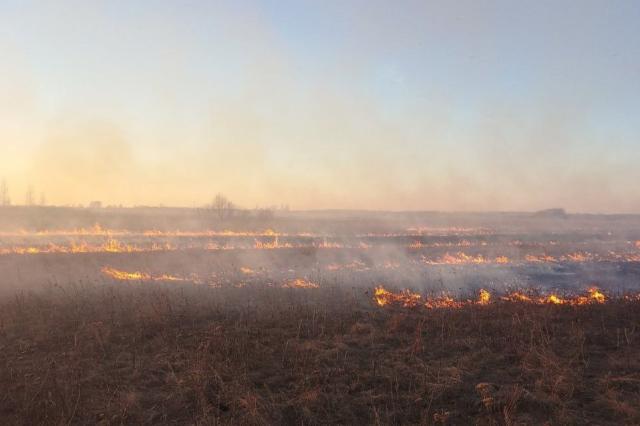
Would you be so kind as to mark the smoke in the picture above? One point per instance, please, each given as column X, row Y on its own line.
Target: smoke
column 423, row 107
column 86, row 162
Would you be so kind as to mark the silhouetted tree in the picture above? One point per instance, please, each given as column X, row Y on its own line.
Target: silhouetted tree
column 222, row 206
column 4, row 194
column 29, row 196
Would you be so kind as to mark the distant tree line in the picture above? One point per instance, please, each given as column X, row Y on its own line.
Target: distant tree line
column 223, row 208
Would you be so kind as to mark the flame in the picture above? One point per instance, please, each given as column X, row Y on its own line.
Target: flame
column 168, row 277
column 579, row 257
column 406, row 298
column 300, row 283
column 554, row 299
column 461, row 258
column 596, row 295
column 409, row 299
column 125, row 276
column 139, row 276
column 455, row 230
column 516, row 297
column 97, row 230
column 484, row 297
column 382, row 296
column 540, row 258
column 442, row 302
column 98, row 240
column 113, row 245
column 247, row 271
column 109, row 246
column 271, row 245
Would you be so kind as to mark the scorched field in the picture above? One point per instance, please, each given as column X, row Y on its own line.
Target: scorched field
column 422, row 319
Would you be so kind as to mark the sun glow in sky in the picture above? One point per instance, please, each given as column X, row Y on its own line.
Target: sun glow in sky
column 464, row 105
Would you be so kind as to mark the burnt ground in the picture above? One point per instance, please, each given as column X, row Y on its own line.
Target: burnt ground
column 127, row 353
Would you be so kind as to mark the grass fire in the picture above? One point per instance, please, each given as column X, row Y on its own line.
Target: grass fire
column 319, row 213
column 297, row 320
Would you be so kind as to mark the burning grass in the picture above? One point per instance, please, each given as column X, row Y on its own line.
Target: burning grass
column 423, row 250
column 140, row 276
column 409, row 299
column 159, row 354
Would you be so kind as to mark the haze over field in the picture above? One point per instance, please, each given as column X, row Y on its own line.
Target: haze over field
column 359, row 105
column 276, row 212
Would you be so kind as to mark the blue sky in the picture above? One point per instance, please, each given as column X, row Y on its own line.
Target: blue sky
column 363, row 104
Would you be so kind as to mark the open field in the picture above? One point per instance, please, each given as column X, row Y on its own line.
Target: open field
column 326, row 319
column 319, row 213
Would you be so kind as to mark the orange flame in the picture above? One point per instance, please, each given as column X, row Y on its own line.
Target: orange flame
column 300, row 283
column 406, row 298
column 484, row 297
column 138, row 276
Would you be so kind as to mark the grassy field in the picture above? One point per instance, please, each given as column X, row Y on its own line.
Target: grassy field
column 166, row 354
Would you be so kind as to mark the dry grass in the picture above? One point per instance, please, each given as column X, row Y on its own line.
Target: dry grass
column 131, row 354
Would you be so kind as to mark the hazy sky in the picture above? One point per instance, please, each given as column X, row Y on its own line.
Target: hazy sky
column 450, row 105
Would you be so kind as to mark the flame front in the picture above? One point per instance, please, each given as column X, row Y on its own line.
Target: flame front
column 138, row 276
column 100, row 240
column 125, row 276
column 407, row 298
column 300, row 283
